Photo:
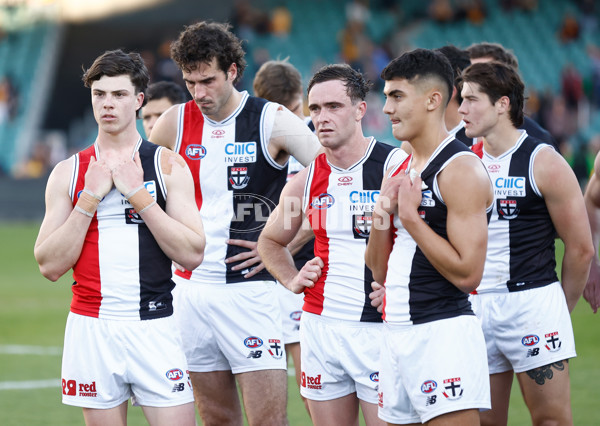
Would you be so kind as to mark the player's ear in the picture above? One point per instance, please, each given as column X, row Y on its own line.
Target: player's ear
column 361, row 110
column 503, row 104
column 232, row 72
column 434, row 100
column 139, row 101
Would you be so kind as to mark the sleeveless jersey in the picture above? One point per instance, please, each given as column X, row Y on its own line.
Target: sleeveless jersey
column 416, row 292
column 339, row 204
column 122, row 273
column 237, row 183
column 521, row 251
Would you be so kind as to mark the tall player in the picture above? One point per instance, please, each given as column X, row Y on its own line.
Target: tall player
column 281, row 82
column 117, row 213
column 523, row 307
column 459, row 60
column 340, row 330
column 428, row 243
column 487, row 52
column 237, row 147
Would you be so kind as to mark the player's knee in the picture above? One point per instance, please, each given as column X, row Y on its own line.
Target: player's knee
column 551, row 422
column 553, row 417
column 221, row 417
column 491, row 418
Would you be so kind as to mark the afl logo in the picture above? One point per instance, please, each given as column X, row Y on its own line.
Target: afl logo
column 374, row 377
column 493, row 168
column 530, row 340
column 174, row 374
column 323, row 201
column 195, row 152
column 253, row 342
column 296, row 315
column 428, row 386
column 218, row 133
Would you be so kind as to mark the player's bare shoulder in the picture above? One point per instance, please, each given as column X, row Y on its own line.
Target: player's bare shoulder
column 467, row 175
column 172, row 163
column 164, row 132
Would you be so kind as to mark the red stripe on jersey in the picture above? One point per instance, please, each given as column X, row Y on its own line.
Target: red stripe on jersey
column 183, row 274
column 401, row 168
column 478, row 149
column 313, row 297
column 193, row 126
column 87, row 290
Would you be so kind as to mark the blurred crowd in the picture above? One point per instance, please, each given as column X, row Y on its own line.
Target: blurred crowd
column 9, row 99
column 564, row 111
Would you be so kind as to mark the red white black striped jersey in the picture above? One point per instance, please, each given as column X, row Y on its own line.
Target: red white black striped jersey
column 521, row 252
column 339, row 204
column 416, row 292
column 237, row 183
column 122, row 273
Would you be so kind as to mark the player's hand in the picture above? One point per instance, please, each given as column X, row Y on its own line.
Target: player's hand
column 251, row 259
column 98, row 178
column 128, row 174
column 409, row 198
column 307, row 276
column 591, row 293
column 387, row 200
column 376, row 296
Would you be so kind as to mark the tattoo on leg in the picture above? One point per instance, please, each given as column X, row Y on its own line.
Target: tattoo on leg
column 540, row 374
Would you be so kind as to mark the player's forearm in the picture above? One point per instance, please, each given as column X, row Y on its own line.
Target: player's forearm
column 378, row 250
column 304, row 235
column 179, row 242
column 575, row 271
column 594, row 220
column 278, row 260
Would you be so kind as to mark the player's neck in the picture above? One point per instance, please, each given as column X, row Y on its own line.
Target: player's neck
column 425, row 144
column 119, row 145
column 349, row 153
column 501, row 138
column 229, row 107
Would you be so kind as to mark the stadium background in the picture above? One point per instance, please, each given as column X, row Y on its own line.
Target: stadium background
column 45, row 115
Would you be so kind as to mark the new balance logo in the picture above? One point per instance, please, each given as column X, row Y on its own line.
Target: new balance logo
column 533, row 352
column 431, row 400
column 254, row 354
column 179, row 387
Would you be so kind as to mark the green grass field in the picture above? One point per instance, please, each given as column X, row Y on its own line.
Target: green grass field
column 33, row 316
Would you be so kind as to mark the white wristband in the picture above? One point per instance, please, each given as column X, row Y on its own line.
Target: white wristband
column 85, row 212
column 147, row 207
column 87, row 191
column 134, row 191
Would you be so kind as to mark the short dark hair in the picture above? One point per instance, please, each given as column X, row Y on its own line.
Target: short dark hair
column 421, row 64
column 116, row 62
column 166, row 89
column 496, row 80
column 278, row 81
column 204, row 41
column 459, row 59
column 495, row 51
column 356, row 85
